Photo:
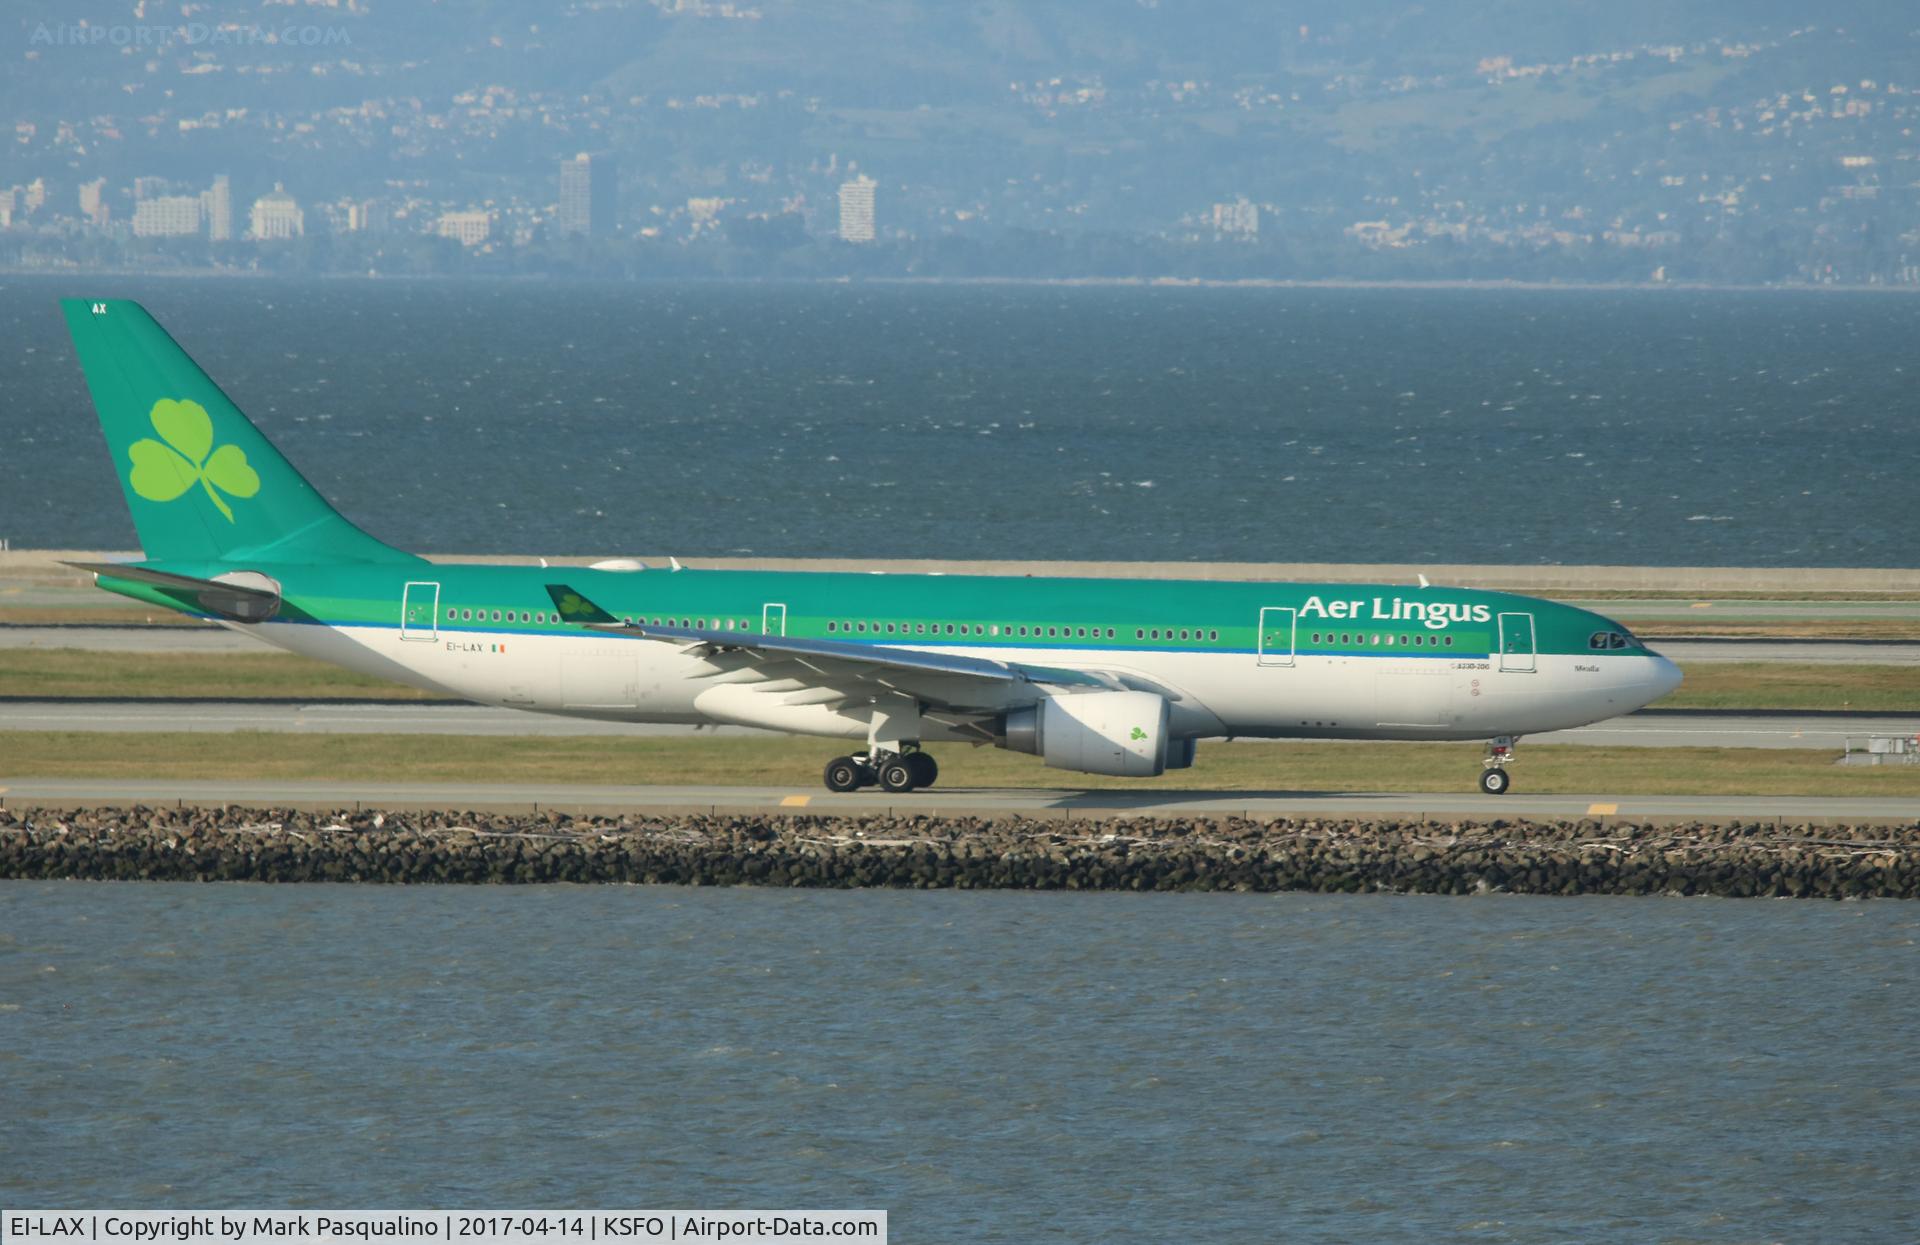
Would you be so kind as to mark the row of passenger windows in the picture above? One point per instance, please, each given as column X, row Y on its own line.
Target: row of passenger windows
column 538, row 618
column 1411, row 641
column 1605, row 639
column 1018, row 631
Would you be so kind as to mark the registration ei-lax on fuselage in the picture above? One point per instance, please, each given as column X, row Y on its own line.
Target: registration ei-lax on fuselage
column 1105, row 676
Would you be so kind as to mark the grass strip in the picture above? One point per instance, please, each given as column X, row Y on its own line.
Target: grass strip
column 1253, row 767
column 68, row 672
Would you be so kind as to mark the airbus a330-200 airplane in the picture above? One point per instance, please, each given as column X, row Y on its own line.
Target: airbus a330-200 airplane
column 1102, row 676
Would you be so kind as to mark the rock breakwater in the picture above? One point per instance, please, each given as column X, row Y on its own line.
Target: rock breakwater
column 1141, row 854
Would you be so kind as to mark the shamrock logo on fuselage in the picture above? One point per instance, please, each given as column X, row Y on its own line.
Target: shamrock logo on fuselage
column 162, row 472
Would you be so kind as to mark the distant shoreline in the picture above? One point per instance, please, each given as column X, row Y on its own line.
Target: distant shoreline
column 1163, row 283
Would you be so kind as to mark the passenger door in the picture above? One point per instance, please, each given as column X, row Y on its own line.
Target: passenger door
column 420, row 612
column 1276, row 635
column 1516, row 644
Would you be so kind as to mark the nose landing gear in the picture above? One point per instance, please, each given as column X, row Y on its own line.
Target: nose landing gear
column 898, row 772
column 1494, row 779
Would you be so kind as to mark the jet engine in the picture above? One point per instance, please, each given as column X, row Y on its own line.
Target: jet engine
column 1119, row 733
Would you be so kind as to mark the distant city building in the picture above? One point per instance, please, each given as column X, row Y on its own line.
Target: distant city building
column 167, row 216
column 93, row 203
column 8, row 199
column 1238, row 219
column 588, row 196
column 856, row 209
column 276, row 215
column 369, row 216
column 35, row 196
column 216, row 204
column 466, row 228
column 150, row 187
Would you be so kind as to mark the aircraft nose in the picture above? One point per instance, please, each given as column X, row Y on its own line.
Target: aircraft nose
column 1666, row 676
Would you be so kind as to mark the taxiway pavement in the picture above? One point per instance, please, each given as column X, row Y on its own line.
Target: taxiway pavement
column 1033, row 802
column 1655, row 728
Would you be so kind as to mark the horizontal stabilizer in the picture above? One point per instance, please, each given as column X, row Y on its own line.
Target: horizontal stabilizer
column 245, row 596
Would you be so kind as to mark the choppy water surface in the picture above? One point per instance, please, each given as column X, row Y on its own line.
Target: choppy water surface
column 984, row 1065
column 1650, row 427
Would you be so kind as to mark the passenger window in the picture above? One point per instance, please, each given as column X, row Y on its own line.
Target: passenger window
column 1449, row 641
column 496, row 615
column 1138, row 634
column 1213, row 636
column 1109, row 633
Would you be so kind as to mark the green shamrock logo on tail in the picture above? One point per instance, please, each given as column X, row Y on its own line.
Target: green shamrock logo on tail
column 163, row 472
column 1138, row 734
column 573, row 606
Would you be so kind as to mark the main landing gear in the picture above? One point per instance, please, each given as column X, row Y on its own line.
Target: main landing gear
column 1494, row 779
column 891, row 771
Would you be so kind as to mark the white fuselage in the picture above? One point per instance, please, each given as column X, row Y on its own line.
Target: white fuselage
column 1373, row 696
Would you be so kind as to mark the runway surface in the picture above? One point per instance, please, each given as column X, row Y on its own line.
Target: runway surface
column 1648, row 728
column 210, row 639
column 1158, row 801
column 1750, row 611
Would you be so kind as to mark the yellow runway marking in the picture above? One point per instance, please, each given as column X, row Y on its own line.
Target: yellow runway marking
column 1701, row 605
column 1597, row 809
column 796, row 801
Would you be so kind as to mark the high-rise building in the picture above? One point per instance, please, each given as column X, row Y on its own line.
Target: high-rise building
column 856, row 209
column 216, row 205
column 589, row 201
column 369, row 216
column 166, row 216
column 147, row 187
column 36, row 194
column 1239, row 219
column 8, row 199
column 93, row 201
column 466, row 228
column 276, row 215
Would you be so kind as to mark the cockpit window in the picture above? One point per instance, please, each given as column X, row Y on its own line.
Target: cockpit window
column 1604, row 640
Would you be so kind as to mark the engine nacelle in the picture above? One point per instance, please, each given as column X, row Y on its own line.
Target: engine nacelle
column 1119, row 733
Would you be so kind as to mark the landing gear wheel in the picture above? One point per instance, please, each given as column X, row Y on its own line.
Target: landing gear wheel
column 896, row 775
column 925, row 768
column 846, row 774
column 1495, row 781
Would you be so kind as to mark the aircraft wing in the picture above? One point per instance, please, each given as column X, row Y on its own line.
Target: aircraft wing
column 839, row 669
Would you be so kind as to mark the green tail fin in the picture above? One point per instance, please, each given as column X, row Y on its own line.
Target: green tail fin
column 203, row 483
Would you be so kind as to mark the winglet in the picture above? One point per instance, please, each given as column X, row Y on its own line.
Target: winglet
column 575, row 608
